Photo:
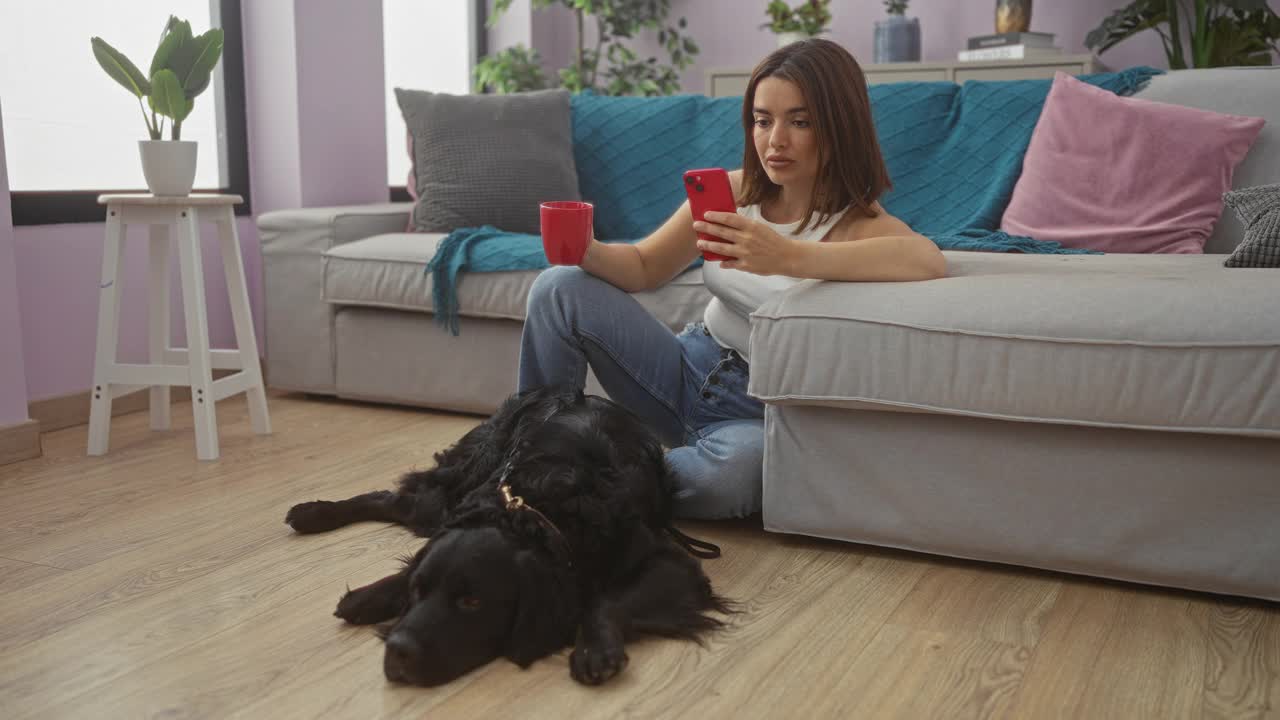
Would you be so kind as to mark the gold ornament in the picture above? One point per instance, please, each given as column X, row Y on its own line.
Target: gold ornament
column 1013, row 16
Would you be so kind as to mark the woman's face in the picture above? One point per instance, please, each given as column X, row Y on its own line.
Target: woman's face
column 785, row 140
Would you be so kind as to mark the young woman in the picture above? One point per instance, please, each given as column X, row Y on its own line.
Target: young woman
column 807, row 194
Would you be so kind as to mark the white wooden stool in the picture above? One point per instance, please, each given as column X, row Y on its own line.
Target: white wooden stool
column 167, row 365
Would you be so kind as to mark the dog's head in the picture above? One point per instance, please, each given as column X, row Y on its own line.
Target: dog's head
column 476, row 594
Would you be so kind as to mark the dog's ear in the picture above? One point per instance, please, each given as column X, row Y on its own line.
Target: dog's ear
column 546, row 610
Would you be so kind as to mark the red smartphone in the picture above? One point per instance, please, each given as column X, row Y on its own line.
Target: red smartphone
column 709, row 189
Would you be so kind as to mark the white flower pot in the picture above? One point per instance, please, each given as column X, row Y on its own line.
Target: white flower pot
column 169, row 166
column 786, row 38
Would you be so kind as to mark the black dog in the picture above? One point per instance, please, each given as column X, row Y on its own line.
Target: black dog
column 550, row 524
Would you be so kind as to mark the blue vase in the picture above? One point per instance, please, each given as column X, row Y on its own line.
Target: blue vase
column 897, row 40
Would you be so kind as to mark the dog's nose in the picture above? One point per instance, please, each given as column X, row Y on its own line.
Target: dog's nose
column 400, row 659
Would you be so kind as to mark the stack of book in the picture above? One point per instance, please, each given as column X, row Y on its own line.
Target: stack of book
column 1009, row 46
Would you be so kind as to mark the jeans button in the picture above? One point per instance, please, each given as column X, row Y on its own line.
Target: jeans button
column 713, row 380
column 706, row 395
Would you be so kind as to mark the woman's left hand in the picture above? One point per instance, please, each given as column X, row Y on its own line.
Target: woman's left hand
column 753, row 247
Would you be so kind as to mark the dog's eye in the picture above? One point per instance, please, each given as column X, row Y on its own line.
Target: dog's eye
column 468, row 603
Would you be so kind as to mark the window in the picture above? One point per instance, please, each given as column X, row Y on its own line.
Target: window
column 427, row 46
column 71, row 132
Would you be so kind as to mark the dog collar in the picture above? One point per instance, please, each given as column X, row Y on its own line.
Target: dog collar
column 516, row 503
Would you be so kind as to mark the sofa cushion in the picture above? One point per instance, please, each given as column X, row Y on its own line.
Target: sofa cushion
column 390, row 271
column 488, row 159
column 1253, row 91
column 1098, row 173
column 1169, row 342
column 1259, row 209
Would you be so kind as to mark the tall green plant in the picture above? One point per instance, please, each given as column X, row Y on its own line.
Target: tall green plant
column 610, row 66
column 514, row 69
column 1196, row 33
column 181, row 69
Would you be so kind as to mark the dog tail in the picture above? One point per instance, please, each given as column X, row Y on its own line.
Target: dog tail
column 693, row 546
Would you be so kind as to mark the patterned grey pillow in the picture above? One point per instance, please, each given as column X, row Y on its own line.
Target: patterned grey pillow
column 1259, row 210
column 488, row 159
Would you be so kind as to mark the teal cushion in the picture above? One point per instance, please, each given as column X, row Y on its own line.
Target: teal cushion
column 954, row 152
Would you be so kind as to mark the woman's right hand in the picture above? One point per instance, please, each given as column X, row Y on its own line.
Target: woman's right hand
column 655, row 260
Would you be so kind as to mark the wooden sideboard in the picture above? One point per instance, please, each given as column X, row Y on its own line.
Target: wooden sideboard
column 730, row 82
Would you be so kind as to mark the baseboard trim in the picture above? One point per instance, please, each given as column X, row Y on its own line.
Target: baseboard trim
column 19, row 442
column 69, row 410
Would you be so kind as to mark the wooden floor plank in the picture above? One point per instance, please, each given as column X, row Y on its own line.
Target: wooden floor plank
column 1001, row 604
column 1242, row 669
column 167, row 587
column 906, row 673
column 19, row 577
column 127, row 512
column 1111, row 650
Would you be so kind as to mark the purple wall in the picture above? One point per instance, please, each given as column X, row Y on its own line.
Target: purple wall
column 341, row 114
column 316, row 137
column 729, row 36
column 271, row 96
column 59, row 269
column 13, row 378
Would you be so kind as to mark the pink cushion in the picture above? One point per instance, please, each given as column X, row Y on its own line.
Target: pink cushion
column 1122, row 174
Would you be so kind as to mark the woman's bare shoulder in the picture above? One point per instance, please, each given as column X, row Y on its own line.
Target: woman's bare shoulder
column 854, row 226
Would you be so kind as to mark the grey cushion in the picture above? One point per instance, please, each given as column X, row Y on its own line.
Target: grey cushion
column 388, row 271
column 1259, row 210
column 488, row 159
column 1252, row 91
column 1169, row 342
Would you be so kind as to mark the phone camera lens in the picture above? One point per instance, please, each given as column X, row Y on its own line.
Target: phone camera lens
column 698, row 188
column 688, row 180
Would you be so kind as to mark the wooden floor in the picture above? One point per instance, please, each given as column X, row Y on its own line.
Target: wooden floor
column 147, row 584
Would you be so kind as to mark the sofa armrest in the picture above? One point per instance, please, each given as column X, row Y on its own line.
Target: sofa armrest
column 298, row 322
column 318, row 229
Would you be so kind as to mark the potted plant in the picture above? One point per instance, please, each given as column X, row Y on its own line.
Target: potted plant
column 806, row 20
column 1219, row 33
column 606, row 66
column 180, row 70
column 897, row 37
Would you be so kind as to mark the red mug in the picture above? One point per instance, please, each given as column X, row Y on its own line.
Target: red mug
column 566, row 231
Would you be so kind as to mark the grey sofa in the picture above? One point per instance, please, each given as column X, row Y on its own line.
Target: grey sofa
column 1116, row 416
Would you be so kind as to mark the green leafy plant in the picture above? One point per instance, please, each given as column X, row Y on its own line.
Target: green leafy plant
column 808, row 18
column 511, row 70
column 610, row 67
column 1217, row 33
column 896, row 7
column 180, row 70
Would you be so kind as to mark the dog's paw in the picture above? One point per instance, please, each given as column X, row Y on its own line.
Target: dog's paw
column 363, row 608
column 313, row 517
column 595, row 665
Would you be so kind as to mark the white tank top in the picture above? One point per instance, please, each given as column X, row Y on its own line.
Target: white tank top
column 736, row 294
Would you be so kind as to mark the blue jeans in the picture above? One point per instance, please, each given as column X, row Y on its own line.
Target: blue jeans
column 690, row 390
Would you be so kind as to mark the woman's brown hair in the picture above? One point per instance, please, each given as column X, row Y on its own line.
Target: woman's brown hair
column 851, row 171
